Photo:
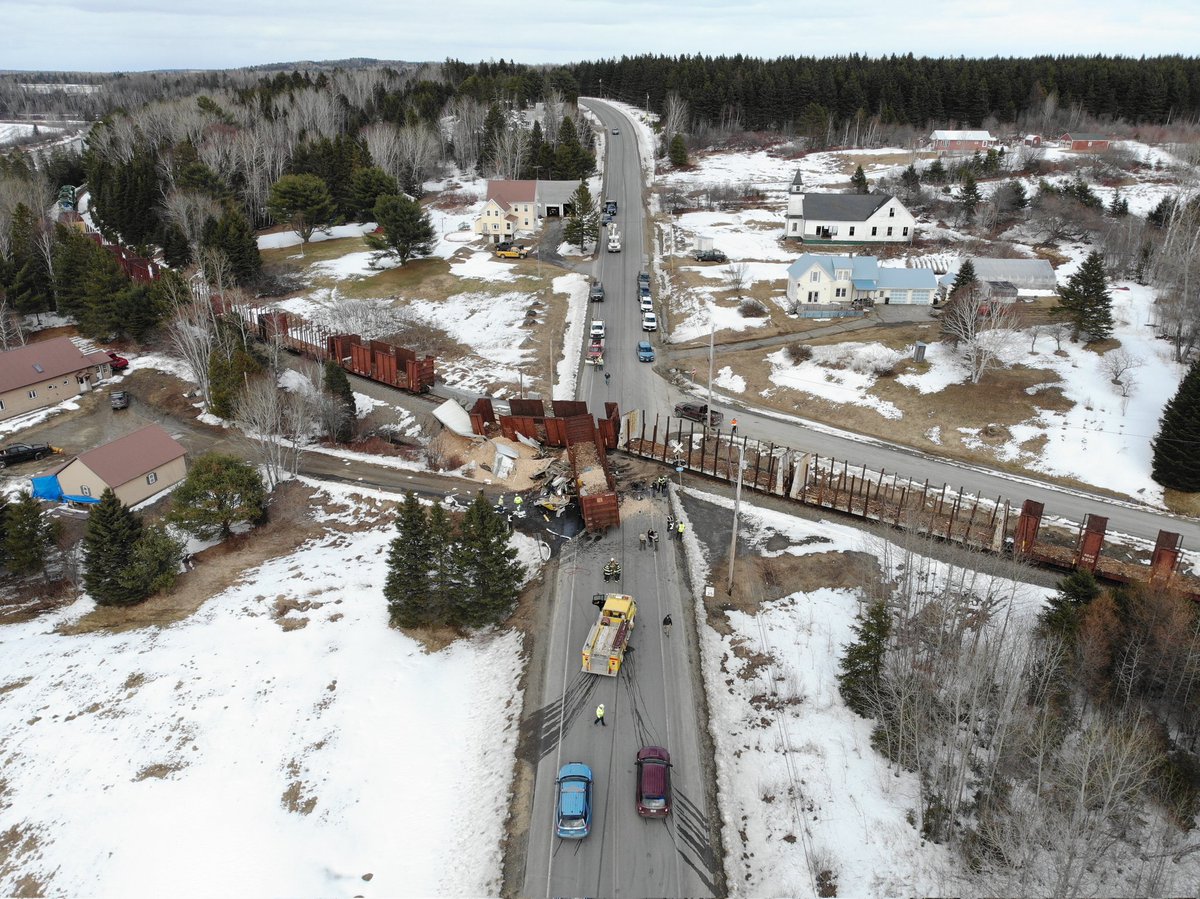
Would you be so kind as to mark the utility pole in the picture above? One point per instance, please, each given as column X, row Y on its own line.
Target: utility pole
column 737, row 501
column 647, row 104
column 712, row 330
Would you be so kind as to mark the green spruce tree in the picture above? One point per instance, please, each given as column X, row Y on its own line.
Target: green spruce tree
column 859, row 181
column 969, row 197
column 861, row 668
column 1061, row 616
column 491, row 574
column 108, row 542
column 1176, row 457
column 303, row 202
column 408, row 568
column 29, row 535
column 677, row 152
column 445, row 579
column 367, row 185
column 1085, row 300
column 153, row 565
column 338, row 386
column 583, row 224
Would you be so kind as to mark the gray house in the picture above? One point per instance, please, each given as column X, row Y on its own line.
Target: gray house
column 822, row 218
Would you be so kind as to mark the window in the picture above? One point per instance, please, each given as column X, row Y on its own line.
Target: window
column 840, row 292
column 906, row 232
column 891, row 212
column 794, row 227
column 843, row 274
column 851, row 230
column 889, row 234
column 813, row 296
column 152, row 477
column 85, row 490
column 1, row 405
column 814, row 276
column 33, row 394
column 874, row 232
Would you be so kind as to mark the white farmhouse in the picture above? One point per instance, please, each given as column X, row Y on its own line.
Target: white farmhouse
column 857, row 279
column 514, row 206
column 847, row 218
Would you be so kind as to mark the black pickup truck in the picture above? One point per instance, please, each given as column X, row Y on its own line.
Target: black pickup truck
column 696, row 412
column 25, row 452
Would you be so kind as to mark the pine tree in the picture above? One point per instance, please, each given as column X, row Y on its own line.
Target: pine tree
column 571, row 161
column 104, row 299
column 233, row 236
column 1063, row 610
column 29, row 535
column 1085, row 299
column 936, row 173
column 859, row 181
column 583, row 224
column 910, row 178
column 407, row 585
column 218, row 492
column 407, row 229
column 1176, row 457
column 1017, row 196
column 108, row 542
column 491, row 574
column 303, row 202
column 965, row 280
column 677, row 152
column 861, row 667
column 367, row 185
column 337, row 384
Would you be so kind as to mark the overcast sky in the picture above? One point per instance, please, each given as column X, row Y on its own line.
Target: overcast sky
column 131, row 35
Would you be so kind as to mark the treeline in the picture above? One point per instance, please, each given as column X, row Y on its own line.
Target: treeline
column 794, row 92
column 1057, row 756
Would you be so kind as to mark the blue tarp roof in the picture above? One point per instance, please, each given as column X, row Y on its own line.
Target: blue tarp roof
column 47, row 488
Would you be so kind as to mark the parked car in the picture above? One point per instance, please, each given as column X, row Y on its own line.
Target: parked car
column 649, row 321
column 503, row 245
column 597, row 329
column 653, row 782
column 610, row 206
column 596, row 294
column 711, row 256
column 644, row 278
column 118, row 363
column 696, row 412
column 646, row 304
column 645, row 351
column 512, row 252
column 15, row 453
column 119, row 399
column 574, row 817
column 643, row 290
column 606, row 219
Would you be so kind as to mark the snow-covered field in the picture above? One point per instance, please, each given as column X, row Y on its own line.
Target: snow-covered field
column 260, row 747
column 10, row 132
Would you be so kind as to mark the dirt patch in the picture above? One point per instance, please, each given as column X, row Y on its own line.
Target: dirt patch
column 217, row 568
column 766, row 578
column 14, row 685
column 27, row 601
column 16, row 844
column 1182, row 503
column 159, row 771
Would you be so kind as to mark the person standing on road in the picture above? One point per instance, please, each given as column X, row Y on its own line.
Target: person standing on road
column 679, row 529
column 599, row 716
column 667, row 625
column 733, row 428
column 642, row 540
column 607, row 375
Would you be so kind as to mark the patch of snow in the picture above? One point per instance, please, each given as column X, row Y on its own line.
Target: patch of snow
column 726, row 379
column 282, row 239
column 849, row 384
column 566, row 370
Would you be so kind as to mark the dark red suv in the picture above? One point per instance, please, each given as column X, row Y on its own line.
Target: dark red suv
column 653, row 782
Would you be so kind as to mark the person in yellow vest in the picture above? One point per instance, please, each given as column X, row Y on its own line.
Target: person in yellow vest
column 599, row 716
column 680, row 527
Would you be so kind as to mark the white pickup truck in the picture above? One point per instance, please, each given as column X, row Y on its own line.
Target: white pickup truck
column 614, row 240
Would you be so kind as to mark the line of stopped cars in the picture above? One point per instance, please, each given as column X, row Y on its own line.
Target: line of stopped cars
column 652, row 792
column 596, row 335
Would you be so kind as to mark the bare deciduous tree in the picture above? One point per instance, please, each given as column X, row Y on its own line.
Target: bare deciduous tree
column 737, row 277
column 192, row 328
column 981, row 329
column 189, row 210
column 418, row 150
column 1119, row 364
column 674, row 119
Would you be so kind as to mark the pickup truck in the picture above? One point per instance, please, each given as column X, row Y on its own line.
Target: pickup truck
column 610, row 206
column 697, row 411
column 513, row 252
column 614, row 240
column 25, row 452
column 711, row 256
column 596, row 294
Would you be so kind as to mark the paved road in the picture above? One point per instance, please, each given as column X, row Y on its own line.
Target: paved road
column 656, row 699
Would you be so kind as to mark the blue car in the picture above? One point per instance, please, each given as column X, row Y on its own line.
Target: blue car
column 645, row 351
column 574, row 818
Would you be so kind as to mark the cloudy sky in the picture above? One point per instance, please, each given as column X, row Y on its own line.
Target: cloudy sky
column 130, row 35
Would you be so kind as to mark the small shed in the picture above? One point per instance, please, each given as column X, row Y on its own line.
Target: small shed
column 1001, row 291
column 136, row 467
